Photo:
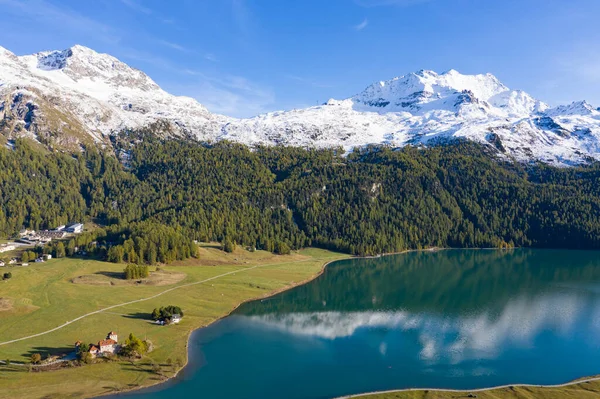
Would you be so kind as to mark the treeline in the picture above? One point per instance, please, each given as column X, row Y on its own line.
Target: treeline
column 148, row 242
column 375, row 200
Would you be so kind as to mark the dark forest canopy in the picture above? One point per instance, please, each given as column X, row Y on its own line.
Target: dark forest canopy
column 374, row 200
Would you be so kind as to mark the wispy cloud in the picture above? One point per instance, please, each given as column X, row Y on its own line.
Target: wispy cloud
column 211, row 57
column 136, row 6
column 310, row 82
column 241, row 15
column 584, row 64
column 398, row 3
column 175, row 46
column 229, row 95
column 362, row 25
column 45, row 13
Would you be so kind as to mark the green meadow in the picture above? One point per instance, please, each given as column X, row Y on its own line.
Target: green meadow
column 43, row 296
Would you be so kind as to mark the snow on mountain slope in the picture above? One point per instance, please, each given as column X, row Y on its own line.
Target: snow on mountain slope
column 80, row 96
column 425, row 107
column 100, row 92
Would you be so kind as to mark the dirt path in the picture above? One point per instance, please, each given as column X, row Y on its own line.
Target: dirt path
column 566, row 384
column 145, row 299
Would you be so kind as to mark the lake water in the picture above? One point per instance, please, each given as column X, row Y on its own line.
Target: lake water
column 452, row 319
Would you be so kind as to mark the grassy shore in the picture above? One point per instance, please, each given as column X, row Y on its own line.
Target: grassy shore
column 43, row 296
column 583, row 390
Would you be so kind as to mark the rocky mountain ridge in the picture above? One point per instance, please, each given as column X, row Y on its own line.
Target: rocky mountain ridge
column 77, row 96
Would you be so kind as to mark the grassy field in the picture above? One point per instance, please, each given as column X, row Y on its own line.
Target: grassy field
column 42, row 296
column 583, row 390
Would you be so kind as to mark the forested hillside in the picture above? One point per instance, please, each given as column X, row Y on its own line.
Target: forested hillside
column 278, row 198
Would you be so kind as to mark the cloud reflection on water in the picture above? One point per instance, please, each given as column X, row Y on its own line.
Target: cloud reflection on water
column 475, row 336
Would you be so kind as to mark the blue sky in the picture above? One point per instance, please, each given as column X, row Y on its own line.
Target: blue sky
column 243, row 57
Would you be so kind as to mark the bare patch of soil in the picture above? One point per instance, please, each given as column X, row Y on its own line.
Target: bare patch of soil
column 5, row 304
column 158, row 278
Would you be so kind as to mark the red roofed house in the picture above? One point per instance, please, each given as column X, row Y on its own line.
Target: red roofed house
column 110, row 344
column 94, row 351
column 107, row 346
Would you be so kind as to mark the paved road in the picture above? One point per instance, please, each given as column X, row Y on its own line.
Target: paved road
column 566, row 384
column 142, row 300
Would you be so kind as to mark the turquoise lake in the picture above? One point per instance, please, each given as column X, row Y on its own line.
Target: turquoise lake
column 447, row 319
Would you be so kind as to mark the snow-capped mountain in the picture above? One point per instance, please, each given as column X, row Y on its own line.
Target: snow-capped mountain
column 75, row 95
column 79, row 90
column 426, row 107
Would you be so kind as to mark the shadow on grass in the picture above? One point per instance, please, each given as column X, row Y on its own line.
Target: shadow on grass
column 139, row 316
column 13, row 369
column 139, row 369
column 116, row 275
column 52, row 351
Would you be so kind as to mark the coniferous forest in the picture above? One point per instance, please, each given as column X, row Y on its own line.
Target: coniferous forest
column 154, row 197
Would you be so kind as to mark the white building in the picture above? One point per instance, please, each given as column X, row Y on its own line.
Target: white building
column 7, row 247
column 110, row 344
column 107, row 346
column 74, row 228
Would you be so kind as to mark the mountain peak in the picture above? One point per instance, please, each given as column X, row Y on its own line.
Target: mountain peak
column 78, row 90
column 78, row 63
column 424, row 86
column 575, row 108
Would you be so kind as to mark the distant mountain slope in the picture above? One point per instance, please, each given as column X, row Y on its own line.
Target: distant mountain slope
column 93, row 94
column 77, row 96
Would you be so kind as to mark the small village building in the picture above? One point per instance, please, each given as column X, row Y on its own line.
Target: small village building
column 60, row 228
column 74, row 228
column 24, row 264
column 94, row 351
column 2, row 264
column 47, row 256
column 7, row 247
column 12, row 261
column 48, row 235
column 107, row 346
column 25, row 232
column 39, row 260
column 175, row 319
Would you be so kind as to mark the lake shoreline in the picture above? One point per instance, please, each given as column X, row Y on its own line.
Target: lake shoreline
column 467, row 391
column 152, row 387
column 156, row 386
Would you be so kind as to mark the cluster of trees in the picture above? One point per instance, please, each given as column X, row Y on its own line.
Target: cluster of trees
column 166, row 313
column 134, row 347
column 83, row 353
column 149, row 242
column 279, row 199
column 28, row 256
column 133, row 272
column 7, row 276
